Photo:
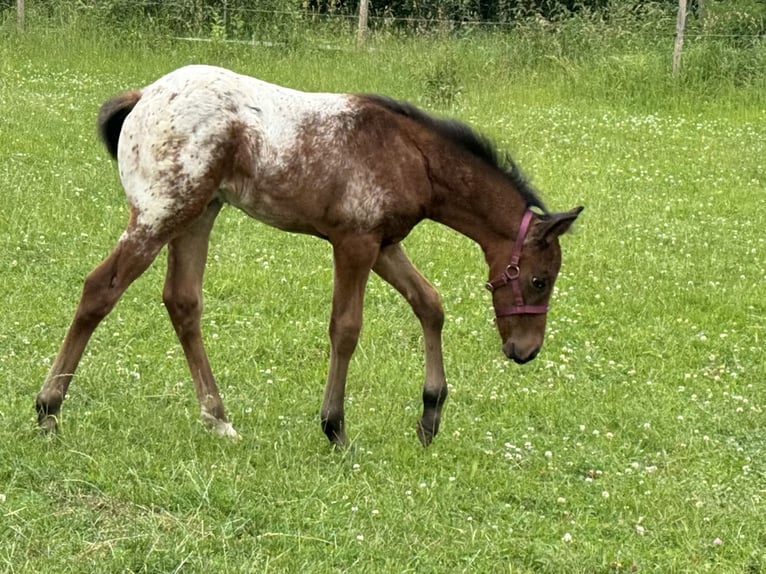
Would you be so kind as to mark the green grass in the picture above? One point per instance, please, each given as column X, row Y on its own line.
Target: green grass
column 635, row 440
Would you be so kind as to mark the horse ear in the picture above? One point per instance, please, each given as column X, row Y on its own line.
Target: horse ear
column 555, row 224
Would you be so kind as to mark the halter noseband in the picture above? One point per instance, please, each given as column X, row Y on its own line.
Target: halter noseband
column 511, row 275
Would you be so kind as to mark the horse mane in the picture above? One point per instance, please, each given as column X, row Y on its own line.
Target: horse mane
column 469, row 140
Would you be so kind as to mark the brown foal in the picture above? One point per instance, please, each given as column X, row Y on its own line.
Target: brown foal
column 357, row 170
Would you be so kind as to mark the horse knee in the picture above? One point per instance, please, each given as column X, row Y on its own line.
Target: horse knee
column 429, row 309
column 184, row 308
column 181, row 304
column 344, row 335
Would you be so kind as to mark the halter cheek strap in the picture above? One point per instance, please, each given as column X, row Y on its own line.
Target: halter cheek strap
column 511, row 277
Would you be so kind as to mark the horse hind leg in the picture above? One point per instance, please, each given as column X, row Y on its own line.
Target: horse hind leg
column 173, row 192
column 102, row 289
column 182, row 296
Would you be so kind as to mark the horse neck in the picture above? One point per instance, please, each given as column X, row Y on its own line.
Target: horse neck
column 478, row 202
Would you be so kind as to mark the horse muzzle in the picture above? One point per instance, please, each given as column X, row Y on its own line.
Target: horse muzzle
column 519, row 355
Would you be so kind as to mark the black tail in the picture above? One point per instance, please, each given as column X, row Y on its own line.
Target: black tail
column 111, row 116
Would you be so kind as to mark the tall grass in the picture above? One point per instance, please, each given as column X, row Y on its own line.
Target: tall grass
column 625, row 44
column 634, row 442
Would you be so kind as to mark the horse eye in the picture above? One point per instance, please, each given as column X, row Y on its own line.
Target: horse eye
column 538, row 283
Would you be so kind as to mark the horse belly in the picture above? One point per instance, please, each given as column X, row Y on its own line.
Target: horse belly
column 267, row 208
column 314, row 201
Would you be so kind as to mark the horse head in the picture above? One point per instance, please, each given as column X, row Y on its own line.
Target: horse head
column 522, row 284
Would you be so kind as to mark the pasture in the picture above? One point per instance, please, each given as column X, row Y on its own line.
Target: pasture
column 634, row 442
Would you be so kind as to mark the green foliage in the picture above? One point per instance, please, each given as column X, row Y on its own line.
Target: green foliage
column 441, row 83
column 635, row 440
column 743, row 20
column 728, row 45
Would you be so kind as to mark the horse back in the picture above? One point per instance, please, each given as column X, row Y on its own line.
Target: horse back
column 308, row 162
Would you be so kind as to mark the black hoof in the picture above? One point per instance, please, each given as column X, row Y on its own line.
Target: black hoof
column 335, row 433
column 47, row 418
column 427, row 432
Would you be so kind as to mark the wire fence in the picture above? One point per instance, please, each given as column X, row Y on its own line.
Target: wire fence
column 196, row 19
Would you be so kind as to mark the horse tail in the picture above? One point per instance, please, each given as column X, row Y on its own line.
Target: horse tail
column 111, row 117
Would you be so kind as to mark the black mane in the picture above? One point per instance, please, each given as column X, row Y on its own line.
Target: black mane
column 466, row 138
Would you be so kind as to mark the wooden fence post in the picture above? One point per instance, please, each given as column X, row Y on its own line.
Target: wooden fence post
column 20, row 15
column 679, row 44
column 363, row 15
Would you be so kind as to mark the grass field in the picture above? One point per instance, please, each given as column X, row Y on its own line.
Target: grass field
column 635, row 442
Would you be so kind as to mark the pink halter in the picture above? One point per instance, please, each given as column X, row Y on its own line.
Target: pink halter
column 511, row 275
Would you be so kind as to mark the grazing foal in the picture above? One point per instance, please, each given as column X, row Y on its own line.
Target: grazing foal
column 357, row 170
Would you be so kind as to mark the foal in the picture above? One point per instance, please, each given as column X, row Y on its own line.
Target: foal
column 357, row 170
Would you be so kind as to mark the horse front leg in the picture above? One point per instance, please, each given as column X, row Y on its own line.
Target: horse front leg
column 182, row 295
column 352, row 259
column 394, row 266
column 102, row 289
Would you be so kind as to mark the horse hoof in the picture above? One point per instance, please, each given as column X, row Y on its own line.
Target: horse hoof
column 48, row 424
column 425, row 435
column 219, row 427
column 337, row 438
column 335, row 433
column 340, row 442
column 226, row 430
